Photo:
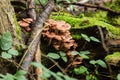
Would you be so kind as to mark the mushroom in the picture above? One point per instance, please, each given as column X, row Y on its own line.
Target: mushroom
column 23, row 24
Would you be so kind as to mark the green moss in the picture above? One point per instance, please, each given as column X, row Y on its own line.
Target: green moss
column 18, row 29
column 115, row 5
column 86, row 22
column 113, row 58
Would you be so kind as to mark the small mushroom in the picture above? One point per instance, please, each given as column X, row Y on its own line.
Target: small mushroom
column 27, row 20
column 23, row 24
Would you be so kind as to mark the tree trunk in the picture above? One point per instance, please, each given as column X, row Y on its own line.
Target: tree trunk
column 7, row 18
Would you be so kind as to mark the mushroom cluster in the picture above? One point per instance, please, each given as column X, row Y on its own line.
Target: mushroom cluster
column 25, row 23
column 57, row 34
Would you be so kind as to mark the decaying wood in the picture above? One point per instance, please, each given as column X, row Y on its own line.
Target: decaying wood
column 113, row 45
column 35, row 37
column 96, row 6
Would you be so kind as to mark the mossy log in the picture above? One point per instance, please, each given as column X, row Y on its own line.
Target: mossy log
column 82, row 23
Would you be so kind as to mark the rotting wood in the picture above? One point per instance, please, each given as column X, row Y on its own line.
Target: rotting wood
column 35, row 37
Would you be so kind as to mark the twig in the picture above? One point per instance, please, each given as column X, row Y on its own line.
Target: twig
column 96, row 6
column 102, row 39
column 31, row 9
column 53, row 65
column 105, row 48
column 56, row 64
column 35, row 37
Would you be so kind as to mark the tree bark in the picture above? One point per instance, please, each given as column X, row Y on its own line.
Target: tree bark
column 7, row 18
column 8, row 22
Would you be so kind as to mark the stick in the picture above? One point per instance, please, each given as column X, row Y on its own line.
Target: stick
column 31, row 9
column 96, row 6
column 35, row 37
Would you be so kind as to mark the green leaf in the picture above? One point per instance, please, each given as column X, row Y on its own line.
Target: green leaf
column 60, row 74
column 64, row 59
column 2, row 76
column 6, row 55
column 46, row 74
column 13, row 52
column 118, row 77
column 62, row 54
column 20, row 78
column 53, row 55
column 85, row 37
column 84, row 52
column 36, row 64
column 20, row 72
column 80, row 70
column 87, row 77
column 84, row 56
column 94, row 39
column 92, row 62
column 101, row 63
column 6, row 41
column 74, row 52
column 20, row 75
column 9, row 77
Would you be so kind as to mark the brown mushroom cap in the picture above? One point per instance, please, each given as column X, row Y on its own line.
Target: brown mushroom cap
column 28, row 20
column 23, row 24
column 58, row 31
column 62, row 26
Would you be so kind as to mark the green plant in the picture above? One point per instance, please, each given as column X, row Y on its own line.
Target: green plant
column 83, row 54
column 98, row 63
column 91, row 38
column 47, row 73
column 59, row 55
column 19, row 75
column 6, row 43
column 82, row 70
column 118, row 77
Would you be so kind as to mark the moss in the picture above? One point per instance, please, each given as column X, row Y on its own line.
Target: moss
column 86, row 22
column 113, row 18
column 115, row 5
column 18, row 29
column 113, row 58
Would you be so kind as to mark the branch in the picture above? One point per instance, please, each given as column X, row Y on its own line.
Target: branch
column 31, row 9
column 96, row 6
column 35, row 37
